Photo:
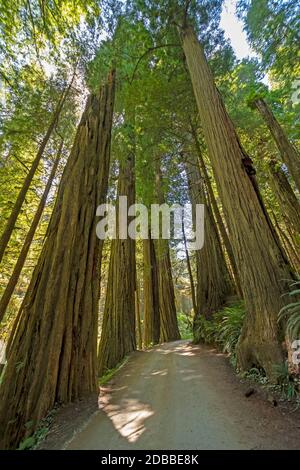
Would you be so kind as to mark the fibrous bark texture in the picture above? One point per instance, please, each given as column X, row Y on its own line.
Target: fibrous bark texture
column 288, row 202
column 259, row 260
column 53, row 354
column 169, row 330
column 288, row 152
column 217, row 214
column 151, row 297
column 118, row 336
column 213, row 279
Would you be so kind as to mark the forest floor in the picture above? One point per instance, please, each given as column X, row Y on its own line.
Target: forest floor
column 176, row 396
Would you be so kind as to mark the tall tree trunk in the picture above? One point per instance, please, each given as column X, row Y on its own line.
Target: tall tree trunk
column 169, row 330
column 167, row 308
column 151, row 296
column 118, row 329
column 189, row 267
column 5, row 299
column 287, row 200
column 138, row 314
column 217, row 214
column 288, row 152
column 53, row 354
column 260, row 262
column 293, row 253
column 5, row 237
column 213, row 279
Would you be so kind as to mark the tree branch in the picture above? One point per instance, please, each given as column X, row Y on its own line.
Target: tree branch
column 148, row 51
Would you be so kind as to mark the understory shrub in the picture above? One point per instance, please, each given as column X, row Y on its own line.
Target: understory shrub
column 223, row 329
column 290, row 314
column 185, row 325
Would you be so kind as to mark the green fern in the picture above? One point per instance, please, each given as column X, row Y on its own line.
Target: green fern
column 291, row 313
column 223, row 328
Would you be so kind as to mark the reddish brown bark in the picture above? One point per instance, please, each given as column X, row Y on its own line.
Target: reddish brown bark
column 118, row 336
column 213, row 280
column 288, row 152
column 53, row 353
column 261, row 264
column 151, row 296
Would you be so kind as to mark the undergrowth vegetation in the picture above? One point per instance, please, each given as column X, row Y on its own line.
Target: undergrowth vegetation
column 223, row 329
column 291, row 312
column 185, row 326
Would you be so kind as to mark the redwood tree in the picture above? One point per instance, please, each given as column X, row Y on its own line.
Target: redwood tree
column 169, row 330
column 53, row 354
column 260, row 262
column 118, row 336
column 217, row 214
column 290, row 156
column 288, row 202
column 213, row 279
column 151, row 297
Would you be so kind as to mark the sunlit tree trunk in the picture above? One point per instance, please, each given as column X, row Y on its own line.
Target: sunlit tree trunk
column 5, row 299
column 118, row 336
column 261, row 265
column 288, row 152
column 53, row 354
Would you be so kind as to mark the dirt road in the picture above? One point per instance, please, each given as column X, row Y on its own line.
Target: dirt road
column 180, row 396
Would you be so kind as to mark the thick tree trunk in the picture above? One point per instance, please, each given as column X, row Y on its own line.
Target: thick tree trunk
column 167, row 307
column 5, row 237
column 139, row 333
column 287, row 200
column 213, row 279
column 288, row 152
column 294, row 255
column 118, row 329
column 5, row 299
column 53, row 354
column 218, row 217
column 189, row 267
column 260, row 263
column 151, row 296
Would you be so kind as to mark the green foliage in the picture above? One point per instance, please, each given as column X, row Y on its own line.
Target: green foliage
column 290, row 313
column 256, row 375
column 288, row 384
column 27, row 443
column 32, row 441
column 254, row 95
column 111, row 372
column 185, row 325
column 223, row 329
